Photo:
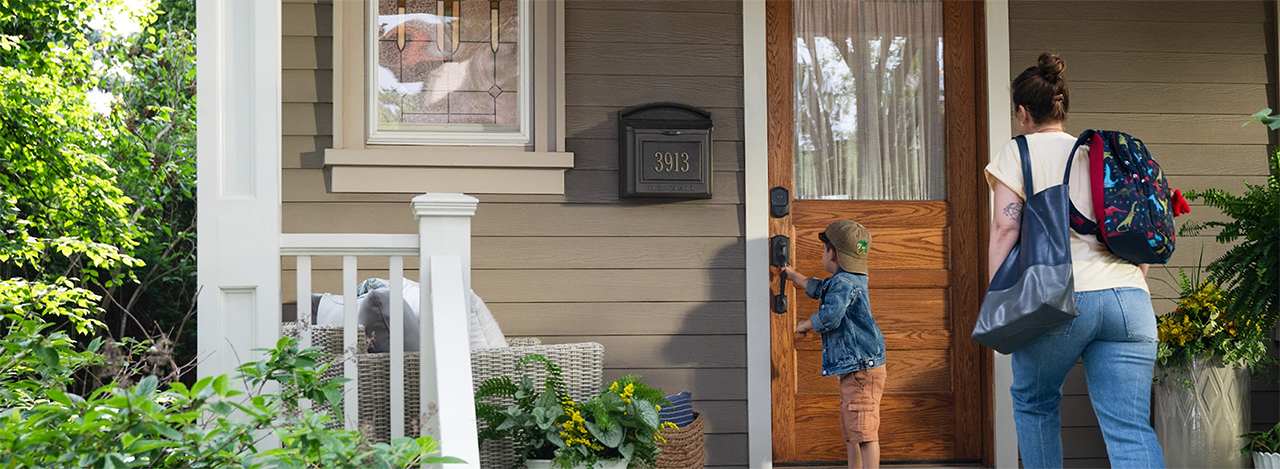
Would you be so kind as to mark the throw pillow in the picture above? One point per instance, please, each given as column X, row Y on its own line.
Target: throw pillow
column 680, row 410
column 326, row 309
column 485, row 332
column 375, row 316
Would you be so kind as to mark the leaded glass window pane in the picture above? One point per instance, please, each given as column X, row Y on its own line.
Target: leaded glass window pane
column 448, row 66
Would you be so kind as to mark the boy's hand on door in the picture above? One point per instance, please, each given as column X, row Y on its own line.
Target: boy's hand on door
column 804, row 327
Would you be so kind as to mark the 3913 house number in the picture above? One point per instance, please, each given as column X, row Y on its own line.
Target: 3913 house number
column 671, row 162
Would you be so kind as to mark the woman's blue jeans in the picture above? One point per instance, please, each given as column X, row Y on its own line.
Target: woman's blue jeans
column 1116, row 335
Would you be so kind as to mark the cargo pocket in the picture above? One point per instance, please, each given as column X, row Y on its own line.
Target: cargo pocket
column 862, row 419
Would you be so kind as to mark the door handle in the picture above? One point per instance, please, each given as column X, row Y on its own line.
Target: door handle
column 780, row 256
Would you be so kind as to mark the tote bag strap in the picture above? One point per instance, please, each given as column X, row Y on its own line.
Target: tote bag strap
column 1027, row 187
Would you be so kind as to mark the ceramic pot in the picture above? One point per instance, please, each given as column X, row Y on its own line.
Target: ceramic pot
column 1200, row 426
column 1266, row 460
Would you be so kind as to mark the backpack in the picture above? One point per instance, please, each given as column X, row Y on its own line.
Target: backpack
column 1132, row 202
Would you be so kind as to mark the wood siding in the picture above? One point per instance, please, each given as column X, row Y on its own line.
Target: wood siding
column 659, row 283
column 1182, row 76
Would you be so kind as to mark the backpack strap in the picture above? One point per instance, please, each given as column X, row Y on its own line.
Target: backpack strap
column 1079, row 223
column 1027, row 186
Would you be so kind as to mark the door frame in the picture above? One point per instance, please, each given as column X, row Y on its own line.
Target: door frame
column 990, row 39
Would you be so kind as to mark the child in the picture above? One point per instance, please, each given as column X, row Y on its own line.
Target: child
column 852, row 346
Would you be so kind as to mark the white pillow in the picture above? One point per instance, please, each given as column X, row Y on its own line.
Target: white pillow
column 485, row 332
column 329, row 310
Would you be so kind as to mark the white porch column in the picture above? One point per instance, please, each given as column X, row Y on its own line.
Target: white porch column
column 238, row 178
column 444, row 229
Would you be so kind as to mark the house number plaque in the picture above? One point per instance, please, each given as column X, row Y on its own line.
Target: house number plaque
column 664, row 151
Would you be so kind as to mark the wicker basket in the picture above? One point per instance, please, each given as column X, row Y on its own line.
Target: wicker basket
column 329, row 339
column 685, row 447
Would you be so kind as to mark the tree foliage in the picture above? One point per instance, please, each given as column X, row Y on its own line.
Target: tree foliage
column 151, row 76
column 65, row 222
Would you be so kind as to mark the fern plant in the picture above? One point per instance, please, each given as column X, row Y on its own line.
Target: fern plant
column 530, row 418
column 1250, row 271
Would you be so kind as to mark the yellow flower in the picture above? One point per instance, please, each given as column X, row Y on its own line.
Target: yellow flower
column 657, row 407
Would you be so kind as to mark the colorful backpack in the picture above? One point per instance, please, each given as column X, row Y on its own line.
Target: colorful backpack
column 1132, row 200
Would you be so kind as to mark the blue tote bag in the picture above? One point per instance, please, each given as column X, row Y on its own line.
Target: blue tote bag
column 1033, row 290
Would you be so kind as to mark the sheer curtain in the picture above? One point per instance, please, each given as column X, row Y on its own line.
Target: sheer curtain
column 869, row 100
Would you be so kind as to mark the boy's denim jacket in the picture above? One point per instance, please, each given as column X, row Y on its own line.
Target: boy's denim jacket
column 851, row 341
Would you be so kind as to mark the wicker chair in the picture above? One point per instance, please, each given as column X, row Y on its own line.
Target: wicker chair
column 581, row 365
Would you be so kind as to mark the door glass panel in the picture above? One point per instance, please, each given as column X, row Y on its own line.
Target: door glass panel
column 869, row 100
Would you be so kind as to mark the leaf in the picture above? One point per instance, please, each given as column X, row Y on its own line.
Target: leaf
column 648, row 414
column 59, row 397
column 220, row 384
column 113, row 460
column 611, row 438
column 146, row 386
column 627, row 451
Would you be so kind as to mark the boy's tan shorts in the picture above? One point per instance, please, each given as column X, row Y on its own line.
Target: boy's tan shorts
column 860, row 394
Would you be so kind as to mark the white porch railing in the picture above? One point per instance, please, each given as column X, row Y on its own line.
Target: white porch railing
column 443, row 246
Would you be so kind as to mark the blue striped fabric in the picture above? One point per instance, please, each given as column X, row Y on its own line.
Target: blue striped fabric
column 680, row 411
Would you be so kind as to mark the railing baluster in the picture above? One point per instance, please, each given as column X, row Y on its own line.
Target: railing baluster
column 350, row 332
column 304, row 310
column 397, row 347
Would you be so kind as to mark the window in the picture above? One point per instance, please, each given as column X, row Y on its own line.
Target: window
column 448, row 96
column 449, row 72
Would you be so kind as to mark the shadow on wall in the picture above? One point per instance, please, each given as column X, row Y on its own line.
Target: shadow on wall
column 710, row 348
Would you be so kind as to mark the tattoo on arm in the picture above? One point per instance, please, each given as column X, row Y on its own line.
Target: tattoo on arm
column 1014, row 211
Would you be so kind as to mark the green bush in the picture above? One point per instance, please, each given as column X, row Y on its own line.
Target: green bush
column 218, row 422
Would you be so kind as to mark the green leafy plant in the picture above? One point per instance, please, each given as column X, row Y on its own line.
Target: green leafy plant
column 1262, row 442
column 620, row 423
column 1250, row 270
column 1202, row 326
column 217, row 422
column 519, row 412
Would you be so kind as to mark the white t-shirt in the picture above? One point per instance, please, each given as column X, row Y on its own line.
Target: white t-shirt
column 1095, row 267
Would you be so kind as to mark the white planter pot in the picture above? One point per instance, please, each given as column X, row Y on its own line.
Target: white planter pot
column 1266, row 460
column 1199, row 426
column 604, row 464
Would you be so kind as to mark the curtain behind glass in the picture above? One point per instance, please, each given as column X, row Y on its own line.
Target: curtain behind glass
column 869, row 100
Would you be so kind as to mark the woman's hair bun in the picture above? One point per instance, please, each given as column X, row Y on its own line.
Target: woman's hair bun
column 1050, row 66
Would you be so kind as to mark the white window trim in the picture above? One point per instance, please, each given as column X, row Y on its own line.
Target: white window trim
column 354, row 165
column 477, row 137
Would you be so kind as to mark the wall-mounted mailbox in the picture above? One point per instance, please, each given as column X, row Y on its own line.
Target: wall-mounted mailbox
column 664, row 151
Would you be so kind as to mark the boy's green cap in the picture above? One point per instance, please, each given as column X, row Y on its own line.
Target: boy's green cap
column 852, row 242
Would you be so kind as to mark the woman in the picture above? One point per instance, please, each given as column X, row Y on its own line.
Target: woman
column 1116, row 330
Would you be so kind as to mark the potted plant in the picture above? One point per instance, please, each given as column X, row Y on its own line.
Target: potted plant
column 614, row 430
column 519, row 414
column 1220, row 327
column 618, row 428
column 1203, row 358
column 1265, row 448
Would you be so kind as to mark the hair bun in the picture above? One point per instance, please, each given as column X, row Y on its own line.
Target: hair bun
column 1051, row 66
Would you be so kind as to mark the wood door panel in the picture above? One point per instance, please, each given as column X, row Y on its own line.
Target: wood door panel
column 911, row 428
column 908, row 373
column 882, row 213
column 894, row 339
column 897, row 248
column 896, row 309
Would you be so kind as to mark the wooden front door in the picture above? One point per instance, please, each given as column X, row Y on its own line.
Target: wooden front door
column 881, row 126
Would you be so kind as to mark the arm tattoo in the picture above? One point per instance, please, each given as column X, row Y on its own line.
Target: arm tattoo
column 1014, row 211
